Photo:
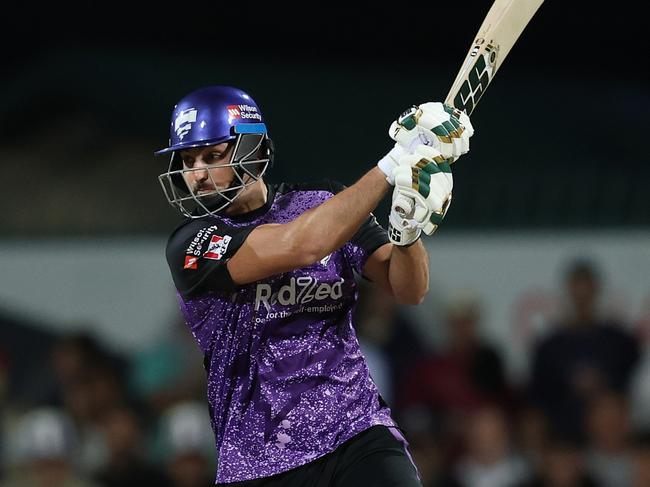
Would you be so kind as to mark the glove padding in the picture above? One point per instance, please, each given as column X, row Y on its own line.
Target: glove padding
column 437, row 125
column 400, row 231
column 422, row 194
column 434, row 124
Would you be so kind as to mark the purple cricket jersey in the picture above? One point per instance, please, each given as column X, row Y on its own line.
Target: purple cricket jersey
column 287, row 382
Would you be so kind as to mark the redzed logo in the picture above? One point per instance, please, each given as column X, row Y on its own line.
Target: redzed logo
column 191, row 262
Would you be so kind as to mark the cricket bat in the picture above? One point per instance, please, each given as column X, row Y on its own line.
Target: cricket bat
column 499, row 31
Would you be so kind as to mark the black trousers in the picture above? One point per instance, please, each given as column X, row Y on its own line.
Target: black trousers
column 373, row 458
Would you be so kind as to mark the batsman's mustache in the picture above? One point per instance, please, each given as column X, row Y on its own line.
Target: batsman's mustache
column 197, row 188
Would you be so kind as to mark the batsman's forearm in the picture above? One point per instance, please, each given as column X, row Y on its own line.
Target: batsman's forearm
column 325, row 228
column 408, row 273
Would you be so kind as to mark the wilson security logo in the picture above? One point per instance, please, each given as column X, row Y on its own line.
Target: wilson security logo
column 191, row 262
column 183, row 122
column 196, row 244
column 299, row 291
column 243, row 112
column 193, row 251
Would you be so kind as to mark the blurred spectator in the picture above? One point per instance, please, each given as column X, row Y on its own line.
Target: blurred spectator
column 583, row 356
column 25, row 344
column 609, row 459
column 4, row 375
column 92, row 395
column 640, row 393
column 189, row 445
column 44, row 448
column 387, row 339
column 171, row 370
column 467, row 374
column 533, row 433
column 489, row 460
column 562, row 465
column 88, row 383
column 126, row 465
column 641, row 460
column 72, row 359
column 88, row 399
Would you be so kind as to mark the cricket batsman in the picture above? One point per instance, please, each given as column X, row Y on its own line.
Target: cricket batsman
column 265, row 275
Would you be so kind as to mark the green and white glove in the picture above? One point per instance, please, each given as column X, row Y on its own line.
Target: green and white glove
column 441, row 126
column 432, row 124
column 422, row 195
column 400, row 231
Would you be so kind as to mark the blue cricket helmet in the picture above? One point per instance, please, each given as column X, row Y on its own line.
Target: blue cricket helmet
column 210, row 116
column 213, row 115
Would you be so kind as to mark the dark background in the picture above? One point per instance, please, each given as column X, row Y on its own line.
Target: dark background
column 88, row 93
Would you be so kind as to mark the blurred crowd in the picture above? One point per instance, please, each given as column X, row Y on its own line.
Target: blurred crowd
column 578, row 419
column 81, row 415
column 88, row 418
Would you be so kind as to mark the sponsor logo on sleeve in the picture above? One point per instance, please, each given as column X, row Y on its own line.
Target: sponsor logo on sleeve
column 191, row 262
column 194, row 249
column 217, row 247
column 196, row 244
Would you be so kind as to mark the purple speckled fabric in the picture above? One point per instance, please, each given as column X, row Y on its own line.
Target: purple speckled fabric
column 287, row 382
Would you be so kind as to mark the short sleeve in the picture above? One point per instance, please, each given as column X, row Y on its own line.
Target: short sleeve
column 197, row 254
column 370, row 236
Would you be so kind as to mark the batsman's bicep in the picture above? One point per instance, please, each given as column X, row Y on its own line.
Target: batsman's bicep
column 268, row 250
column 377, row 266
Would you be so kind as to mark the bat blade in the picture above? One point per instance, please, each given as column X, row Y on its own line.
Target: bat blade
column 501, row 28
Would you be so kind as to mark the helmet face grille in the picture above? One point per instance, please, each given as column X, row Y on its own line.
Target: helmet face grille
column 209, row 116
column 248, row 168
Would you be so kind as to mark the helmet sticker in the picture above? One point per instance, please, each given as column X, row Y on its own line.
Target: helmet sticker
column 183, row 122
column 243, row 112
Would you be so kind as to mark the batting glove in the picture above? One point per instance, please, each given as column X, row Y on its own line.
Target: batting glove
column 442, row 126
column 432, row 124
column 422, row 195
